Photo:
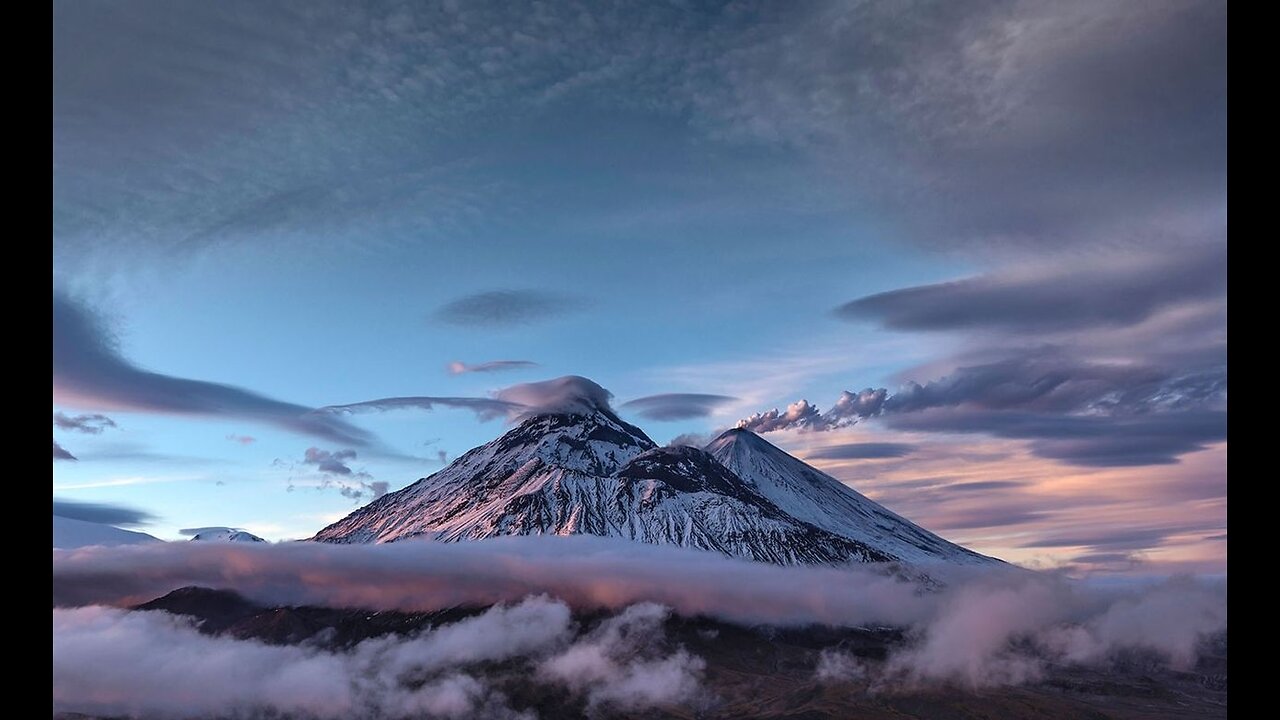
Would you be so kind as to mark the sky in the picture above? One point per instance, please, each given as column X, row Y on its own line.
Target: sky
column 969, row 258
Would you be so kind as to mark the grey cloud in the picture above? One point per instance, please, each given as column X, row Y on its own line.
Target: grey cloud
column 504, row 308
column 351, row 484
column 104, row 513
column 676, row 406
column 1090, row 440
column 458, row 367
column 995, row 516
column 696, row 440
column 1115, row 292
column 60, row 453
column 329, row 462
column 799, row 414
column 567, row 394
column 372, row 490
column 88, row 370
column 1013, row 123
column 860, row 451
column 1106, row 558
column 1049, row 380
column 1073, row 410
column 855, row 406
column 484, row 408
column 1140, row 538
column 984, row 485
column 848, row 409
column 1018, row 122
column 92, row 424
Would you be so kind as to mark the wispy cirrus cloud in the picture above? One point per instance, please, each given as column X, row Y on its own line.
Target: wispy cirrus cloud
column 88, row 371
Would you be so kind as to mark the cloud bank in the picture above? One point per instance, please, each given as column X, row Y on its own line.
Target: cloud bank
column 980, row 628
column 111, row 662
column 88, row 371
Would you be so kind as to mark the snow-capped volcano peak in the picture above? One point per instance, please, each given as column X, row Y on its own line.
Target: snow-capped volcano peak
column 595, row 441
column 580, row 469
column 224, row 534
column 470, row 497
column 815, row 497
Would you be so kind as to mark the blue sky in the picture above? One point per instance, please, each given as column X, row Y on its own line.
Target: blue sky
column 289, row 198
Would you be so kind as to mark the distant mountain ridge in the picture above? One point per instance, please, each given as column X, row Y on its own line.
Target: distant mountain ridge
column 589, row 472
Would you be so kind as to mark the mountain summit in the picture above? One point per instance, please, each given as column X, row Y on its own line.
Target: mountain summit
column 586, row 471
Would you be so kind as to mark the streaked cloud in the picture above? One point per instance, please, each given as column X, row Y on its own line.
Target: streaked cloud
column 484, row 408
column 862, row 451
column 457, row 367
column 1119, row 292
column 104, row 513
column 505, row 308
column 677, row 406
column 88, row 371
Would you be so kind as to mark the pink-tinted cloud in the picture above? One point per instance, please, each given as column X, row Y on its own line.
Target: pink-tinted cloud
column 997, row 497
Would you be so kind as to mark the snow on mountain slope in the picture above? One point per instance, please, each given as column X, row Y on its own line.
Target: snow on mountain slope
column 70, row 533
column 225, row 534
column 585, row 471
column 467, row 499
column 817, row 498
